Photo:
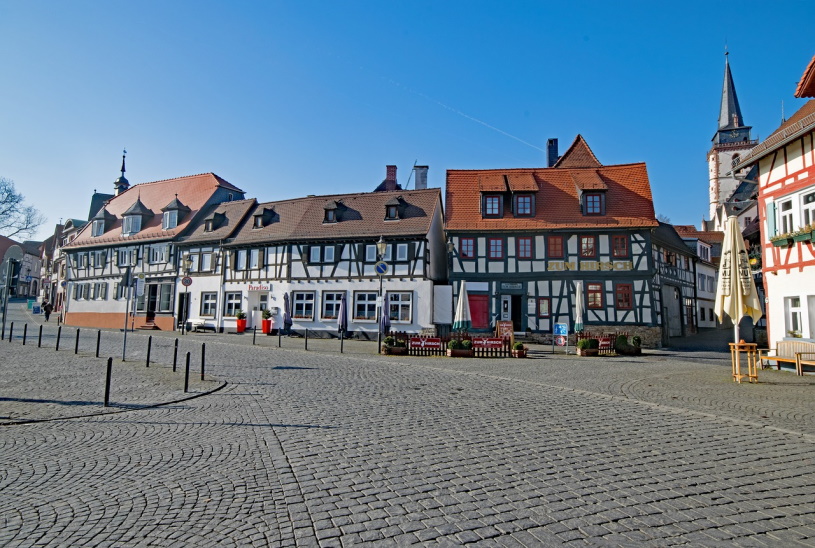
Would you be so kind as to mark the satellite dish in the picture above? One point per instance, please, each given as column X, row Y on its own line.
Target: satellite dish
column 14, row 253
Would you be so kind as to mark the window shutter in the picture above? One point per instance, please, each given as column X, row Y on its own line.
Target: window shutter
column 771, row 222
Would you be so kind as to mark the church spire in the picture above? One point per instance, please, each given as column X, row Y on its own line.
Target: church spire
column 731, row 123
column 121, row 184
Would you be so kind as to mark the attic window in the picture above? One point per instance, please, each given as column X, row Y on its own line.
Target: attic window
column 492, row 206
column 258, row 221
column 524, row 205
column 330, row 216
column 170, row 219
column 594, row 203
column 391, row 212
column 98, row 227
column 208, row 225
column 131, row 225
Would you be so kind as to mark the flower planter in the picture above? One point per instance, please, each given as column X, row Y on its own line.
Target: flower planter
column 783, row 242
column 519, row 353
column 802, row 237
column 460, row 353
column 588, row 351
column 240, row 325
column 266, row 326
column 394, row 350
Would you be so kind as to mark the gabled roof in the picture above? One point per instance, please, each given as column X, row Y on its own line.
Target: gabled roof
column 802, row 122
column 195, row 191
column 806, row 86
column 97, row 201
column 359, row 216
column 578, row 155
column 666, row 236
column 629, row 202
column 231, row 214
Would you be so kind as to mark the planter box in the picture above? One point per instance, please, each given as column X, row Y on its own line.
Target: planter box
column 588, row 352
column 802, row 237
column 266, row 326
column 784, row 242
column 460, row 353
column 240, row 325
column 394, row 350
column 519, row 353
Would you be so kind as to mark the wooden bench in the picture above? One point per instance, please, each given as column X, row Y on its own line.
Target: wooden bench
column 199, row 324
column 788, row 352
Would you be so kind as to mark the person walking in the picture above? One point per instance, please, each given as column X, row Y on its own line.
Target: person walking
column 47, row 309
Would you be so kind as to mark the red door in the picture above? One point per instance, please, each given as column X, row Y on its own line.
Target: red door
column 480, row 311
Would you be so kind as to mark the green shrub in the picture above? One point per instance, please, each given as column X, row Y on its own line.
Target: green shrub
column 636, row 340
column 267, row 314
column 518, row 346
column 454, row 344
column 622, row 341
column 240, row 315
column 466, row 344
column 594, row 344
column 400, row 343
column 389, row 341
column 583, row 344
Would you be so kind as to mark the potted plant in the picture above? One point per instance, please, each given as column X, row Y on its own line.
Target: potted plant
column 266, row 322
column 803, row 235
column 240, row 321
column 392, row 345
column 519, row 350
column 455, row 349
column 781, row 240
column 636, row 340
column 588, row 347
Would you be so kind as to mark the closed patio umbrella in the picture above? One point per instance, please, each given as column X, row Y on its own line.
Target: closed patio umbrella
column 386, row 317
column 342, row 316
column 463, row 321
column 736, row 294
column 578, row 306
column 286, row 313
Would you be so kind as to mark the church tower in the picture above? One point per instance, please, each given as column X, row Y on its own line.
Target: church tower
column 731, row 141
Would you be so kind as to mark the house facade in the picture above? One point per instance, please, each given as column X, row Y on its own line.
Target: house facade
column 708, row 249
column 523, row 239
column 131, row 241
column 675, row 286
column 786, row 180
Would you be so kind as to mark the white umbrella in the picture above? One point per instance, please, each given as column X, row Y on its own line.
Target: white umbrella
column 736, row 293
column 578, row 306
column 463, row 321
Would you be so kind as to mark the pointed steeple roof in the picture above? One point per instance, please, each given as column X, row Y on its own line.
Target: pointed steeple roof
column 578, row 155
column 138, row 208
column 729, row 112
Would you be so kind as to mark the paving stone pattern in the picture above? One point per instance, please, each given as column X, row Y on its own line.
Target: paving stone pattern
column 319, row 448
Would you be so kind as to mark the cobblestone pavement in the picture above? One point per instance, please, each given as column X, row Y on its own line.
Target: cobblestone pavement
column 319, row 448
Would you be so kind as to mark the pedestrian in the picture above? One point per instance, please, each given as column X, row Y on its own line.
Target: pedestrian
column 47, row 309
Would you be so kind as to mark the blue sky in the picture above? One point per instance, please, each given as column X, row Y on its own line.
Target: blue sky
column 285, row 99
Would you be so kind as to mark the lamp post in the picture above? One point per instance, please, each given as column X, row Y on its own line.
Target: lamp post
column 381, row 247
column 187, row 260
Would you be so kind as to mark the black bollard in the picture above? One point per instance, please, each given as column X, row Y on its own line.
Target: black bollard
column 39, row 338
column 279, row 337
column 342, row 340
column 149, row 346
column 98, row 340
column 10, row 331
column 254, row 334
column 203, row 358
column 187, row 374
column 107, row 381
column 25, row 332
column 306, row 338
column 59, row 333
column 76, row 344
column 175, row 354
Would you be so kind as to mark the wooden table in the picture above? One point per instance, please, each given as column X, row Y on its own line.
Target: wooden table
column 751, row 351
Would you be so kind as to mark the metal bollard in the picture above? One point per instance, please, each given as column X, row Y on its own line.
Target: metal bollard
column 279, row 337
column 306, row 338
column 76, row 344
column 175, row 354
column 107, row 381
column 149, row 346
column 10, row 331
column 203, row 358
column 187, row 374
column 39, row 338
column 342, row 340
column 254, row 334
column 25, row 332
column 98, row 340
column 59, row 334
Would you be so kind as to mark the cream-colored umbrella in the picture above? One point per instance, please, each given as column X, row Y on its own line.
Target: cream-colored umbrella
column 736, row 293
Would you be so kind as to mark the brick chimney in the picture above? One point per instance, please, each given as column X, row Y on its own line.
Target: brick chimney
column 421, row 177
column 389, row 183
column 390, row 173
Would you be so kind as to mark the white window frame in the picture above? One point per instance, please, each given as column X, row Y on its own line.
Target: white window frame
column 315, row 254
column 302, row 301
column 331, row 299
column 131, row 224
column 401, row 252
column 328, row 254
column 370, row 253
column 368, row 301
column 807, row 209
column 400, row 305
column 209, row 303
column 793, row 317
column 254, row 258
column 169, row 220
column 233, row 301
column 98, row 227
column 785, row 217
column 241, row 259
column 206, row 262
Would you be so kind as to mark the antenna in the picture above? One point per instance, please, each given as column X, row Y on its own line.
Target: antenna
column 411, row 174
column 783, row 119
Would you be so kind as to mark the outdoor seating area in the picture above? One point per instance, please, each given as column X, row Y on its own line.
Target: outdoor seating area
column 798, row 353
column 606, row 340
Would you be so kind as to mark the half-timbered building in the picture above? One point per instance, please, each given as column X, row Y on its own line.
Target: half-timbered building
column 318, row 249
column 133, row 237
column 523, row 238
column 674, row 282
column 786, row 183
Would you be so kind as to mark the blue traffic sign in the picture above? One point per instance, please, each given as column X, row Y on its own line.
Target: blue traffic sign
column 561, row 329
column 381, row 267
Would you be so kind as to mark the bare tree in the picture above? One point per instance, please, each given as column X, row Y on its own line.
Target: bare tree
column 16, row 218
column 664, row 218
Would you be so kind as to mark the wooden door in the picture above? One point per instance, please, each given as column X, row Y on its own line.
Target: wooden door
column 480, row 311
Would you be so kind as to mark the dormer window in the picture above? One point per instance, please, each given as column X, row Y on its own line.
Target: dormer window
column 524, row 205
column 594, row 203
column 492, row 206
column 98, row 228
column 169, row 220
column 264, row 217
column 174, row 212
column 330, row 216
column 208, row 225
column 131, row 225
column 392, row 209
column 258, row 221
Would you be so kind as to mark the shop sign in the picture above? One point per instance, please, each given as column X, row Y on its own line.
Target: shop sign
column 488, row 342
column 260, row 287
column 422, row 342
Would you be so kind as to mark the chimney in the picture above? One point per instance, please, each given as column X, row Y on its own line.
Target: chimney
column 390, row 173
column 421, row 177
column 551, row 152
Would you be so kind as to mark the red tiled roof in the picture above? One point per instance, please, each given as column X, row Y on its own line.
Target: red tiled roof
column 230, row 214
column 629, row 202
column 492, row 182
column 585, row 179
column 578, row 155
column 522, row 182
column 708, row 236
column 360, row 215
column 806, row 87
column 194, row 191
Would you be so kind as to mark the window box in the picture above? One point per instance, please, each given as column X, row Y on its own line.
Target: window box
column 802, row 236
column 781, row 241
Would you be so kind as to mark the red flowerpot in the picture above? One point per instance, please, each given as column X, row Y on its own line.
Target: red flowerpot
column 241, row 325
column 266, row 326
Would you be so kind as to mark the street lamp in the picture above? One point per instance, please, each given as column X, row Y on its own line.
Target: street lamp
column 381, row 248
column 187, row 260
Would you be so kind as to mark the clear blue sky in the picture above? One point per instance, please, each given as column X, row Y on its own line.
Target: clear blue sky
column 285, row 99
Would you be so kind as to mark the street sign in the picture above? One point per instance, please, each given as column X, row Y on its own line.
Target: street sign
column 186, row 281
column 560, row 340
column 381, row 267
column 140, row 286
column 63, row 283
column 561, row 329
